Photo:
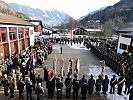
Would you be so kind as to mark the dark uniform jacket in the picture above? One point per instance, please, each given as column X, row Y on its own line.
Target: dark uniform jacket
column 91, row 83
column 105, row 84
column 75, row 84
column 98, row 85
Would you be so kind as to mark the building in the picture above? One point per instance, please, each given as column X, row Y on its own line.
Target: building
column 38, row 27
column 125, row 40
column 84, row 33
column 15, row 35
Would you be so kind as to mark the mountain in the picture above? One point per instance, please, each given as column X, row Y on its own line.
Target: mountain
column 123, row 9
column 91, row 13
column 6, row 9
column 50, row 17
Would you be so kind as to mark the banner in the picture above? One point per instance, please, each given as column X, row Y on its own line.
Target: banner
column 77, row 66
column 70, row 66
column 54, row 65
column 62, row 72
column 71, row 35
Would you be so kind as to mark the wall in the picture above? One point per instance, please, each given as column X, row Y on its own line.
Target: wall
column 123, row 40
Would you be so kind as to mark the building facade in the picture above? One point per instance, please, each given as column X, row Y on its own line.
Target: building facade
column 125, row 40
column 15, row 35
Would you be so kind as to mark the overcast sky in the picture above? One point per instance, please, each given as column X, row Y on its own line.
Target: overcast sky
column 75, row 8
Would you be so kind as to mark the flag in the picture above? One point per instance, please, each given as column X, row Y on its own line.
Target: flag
column 54, row 65
column 70, row 66
column 77, row 66
column 102, row 72
column 71, row 37
column 62, row 72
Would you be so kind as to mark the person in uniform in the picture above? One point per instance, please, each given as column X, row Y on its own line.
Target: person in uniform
column 83, row 84
column 121, row 81
column 98, row 84
column 113, row 82
column 45, row 73
column 11, row 87
column 68, row 84
column 91, row 83
column 75, row 87
column 33, row 78
column 131, row 93
column 29, row 89
column 40, row 92
column 105, row 85
column 61, row 49
column 128, row 84
column 84, row 90
column 5, row 83
column 39, row 79
column 20, row 87
column 50, row 86
column 59, row 86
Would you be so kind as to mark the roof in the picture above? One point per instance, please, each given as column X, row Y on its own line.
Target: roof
column 36, row 22
column 126, row 30
column 128, row 35
column 12, row 20
column 94, row 30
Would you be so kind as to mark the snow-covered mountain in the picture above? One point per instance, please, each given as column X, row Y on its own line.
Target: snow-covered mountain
column 48, row 16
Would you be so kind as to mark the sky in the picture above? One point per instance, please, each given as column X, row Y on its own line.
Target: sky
column 74, row 8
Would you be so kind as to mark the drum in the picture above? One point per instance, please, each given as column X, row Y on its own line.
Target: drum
column 50, row 74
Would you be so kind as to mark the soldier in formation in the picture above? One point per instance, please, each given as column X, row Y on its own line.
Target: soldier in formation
column 75, row 87
column 91, row 83
column 50, row 85
column 68, row 84
column 113, row 83
column 59, row 86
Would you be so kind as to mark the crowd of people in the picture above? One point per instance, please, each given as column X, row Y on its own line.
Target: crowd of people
column 16, row 68
column 119, row 63
column 87, row 86
column 73, row 85
column 13, row 73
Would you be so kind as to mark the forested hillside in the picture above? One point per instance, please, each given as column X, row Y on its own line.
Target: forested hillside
column 112, row 17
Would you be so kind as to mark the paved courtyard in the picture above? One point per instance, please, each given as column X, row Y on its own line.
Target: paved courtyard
column 89, row 64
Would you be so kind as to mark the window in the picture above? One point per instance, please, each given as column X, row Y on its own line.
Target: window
column 12, row 33
column 27, row 32
column 123, row 46
column 3, row 36
column 3, row 29
column 20, row 32
column 31, row 32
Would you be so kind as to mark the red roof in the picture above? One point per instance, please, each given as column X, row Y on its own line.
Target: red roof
column 12, row 20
